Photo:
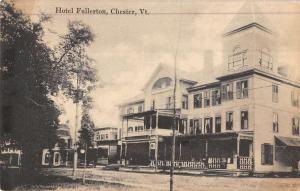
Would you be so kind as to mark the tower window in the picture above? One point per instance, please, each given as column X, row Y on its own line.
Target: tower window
column 265, row 59
column 237, row 59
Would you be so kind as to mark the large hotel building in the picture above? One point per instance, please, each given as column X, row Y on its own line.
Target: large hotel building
column 243, row 118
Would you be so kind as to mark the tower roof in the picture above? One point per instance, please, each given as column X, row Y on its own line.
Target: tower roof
column 249, row 15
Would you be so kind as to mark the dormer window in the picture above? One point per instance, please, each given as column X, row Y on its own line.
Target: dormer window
column 237, row 59
column 162, row 83
column 265, row 59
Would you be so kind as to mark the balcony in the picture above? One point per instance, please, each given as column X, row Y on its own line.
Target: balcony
column 148, row 132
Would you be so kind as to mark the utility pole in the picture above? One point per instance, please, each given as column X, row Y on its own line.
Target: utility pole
column 174, row 106
column 173, row 129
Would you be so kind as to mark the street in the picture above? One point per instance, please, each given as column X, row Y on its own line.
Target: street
column 119, row 180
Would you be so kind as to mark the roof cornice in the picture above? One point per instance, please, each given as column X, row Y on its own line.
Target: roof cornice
column 254, row 24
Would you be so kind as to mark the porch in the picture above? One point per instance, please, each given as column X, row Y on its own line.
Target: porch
column 228, row 151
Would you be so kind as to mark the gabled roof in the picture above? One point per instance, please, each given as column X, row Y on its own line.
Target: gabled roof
column 248, row 16
column 135, row 99
column 190, row 77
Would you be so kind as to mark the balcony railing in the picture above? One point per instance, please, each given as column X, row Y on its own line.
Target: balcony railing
column 163, row 132
column 245, row 163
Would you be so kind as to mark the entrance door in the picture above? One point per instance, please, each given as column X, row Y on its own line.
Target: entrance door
column 245, row 148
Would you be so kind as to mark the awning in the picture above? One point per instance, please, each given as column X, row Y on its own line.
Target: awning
column 287, row 141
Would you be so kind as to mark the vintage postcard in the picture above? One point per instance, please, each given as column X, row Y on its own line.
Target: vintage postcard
column 150, row 95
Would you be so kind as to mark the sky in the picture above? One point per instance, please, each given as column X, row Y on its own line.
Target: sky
column 128, row 48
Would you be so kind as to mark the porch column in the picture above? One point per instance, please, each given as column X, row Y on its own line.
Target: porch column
column 237, row 151
column 121, row 137
column 150, row 124
column 165, row 151
column 156, row 125
column 238, row 146
column 156, row 152
column 180, row 150
column 125, row 154
column 206, row 148
column 121, row 152
column 122, row 130
column 127, row 127
column 19, row 159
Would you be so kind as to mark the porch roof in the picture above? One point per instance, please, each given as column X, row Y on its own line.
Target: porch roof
column 287, row 141
column 162, row 112
column 212, row 136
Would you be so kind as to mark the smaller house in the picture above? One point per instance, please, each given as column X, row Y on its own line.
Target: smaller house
column 62, row 152
column 106, row 139
column 10, row 154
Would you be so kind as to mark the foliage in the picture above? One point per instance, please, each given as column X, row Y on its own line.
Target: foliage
column 31, row 72
column 87, row 131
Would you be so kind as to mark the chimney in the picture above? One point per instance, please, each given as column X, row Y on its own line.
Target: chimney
column 208, row 63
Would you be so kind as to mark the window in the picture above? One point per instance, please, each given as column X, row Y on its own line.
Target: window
column 244, row 119
column 227, row 91
column 294, row 99
column 139, row 128
column 130, row 110
column 216, row 97
column 162, row 83
column 183, row 126
column 56, row 158
column 229, row 120
column 98, row 136
column 265, row 59
column 295, row 126
column 153, row 105
column 218, row 124
column 275, row 122
column 185, row 102
column 237, row 59
column 140, row 108
column 191, row 126
column 242, row 89
column 206, row 98
column 275, row 93
column 197, row 126
column 169, row 103
column 47, row 157
column 130, row 129
column 198, row 100
column 266, row 154
column 208, row 125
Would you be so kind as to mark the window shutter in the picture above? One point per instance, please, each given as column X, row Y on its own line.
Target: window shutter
column 263, row 154
column 238, row 90
column 271, row 155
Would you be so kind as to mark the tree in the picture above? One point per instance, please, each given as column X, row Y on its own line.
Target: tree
column 30, row 73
